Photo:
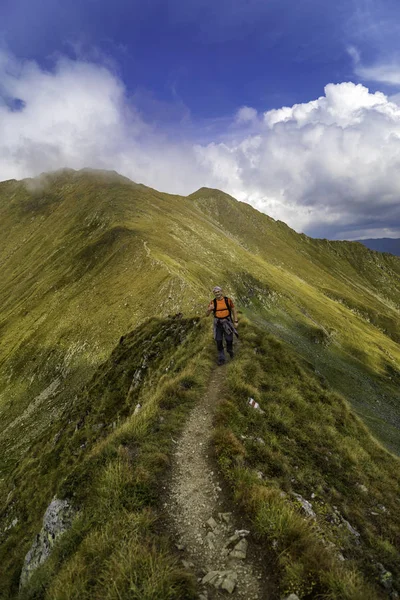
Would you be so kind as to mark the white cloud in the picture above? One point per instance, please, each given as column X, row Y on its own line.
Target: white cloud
column 386, row 72
column 325, row 167
column 382, row 73
column 78, row 115
column 246, row 114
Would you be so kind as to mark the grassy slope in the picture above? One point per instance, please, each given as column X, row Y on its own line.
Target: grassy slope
column 308, row 442
column 107, row 461
column 88, row 256
column 84, row 252
column 337, row 303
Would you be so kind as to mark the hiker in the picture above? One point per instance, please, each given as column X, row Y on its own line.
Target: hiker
column 225, row 322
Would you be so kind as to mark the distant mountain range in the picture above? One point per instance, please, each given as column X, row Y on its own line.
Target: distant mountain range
column 391, row 245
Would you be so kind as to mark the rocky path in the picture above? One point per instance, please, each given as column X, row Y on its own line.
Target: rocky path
column 212, row 541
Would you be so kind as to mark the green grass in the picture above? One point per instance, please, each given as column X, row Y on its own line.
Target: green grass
column 309, row 442
column 111, row 474
column 87, row 256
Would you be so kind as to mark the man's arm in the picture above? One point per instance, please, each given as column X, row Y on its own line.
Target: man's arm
column 210, row 309
column 234, row 313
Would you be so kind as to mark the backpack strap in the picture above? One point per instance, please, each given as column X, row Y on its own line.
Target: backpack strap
column 227, row 306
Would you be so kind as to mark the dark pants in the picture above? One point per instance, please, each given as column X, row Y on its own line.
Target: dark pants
column 220, row 334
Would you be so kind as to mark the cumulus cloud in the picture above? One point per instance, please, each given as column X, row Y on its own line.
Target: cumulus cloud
column 329, row 167
column 78, row 115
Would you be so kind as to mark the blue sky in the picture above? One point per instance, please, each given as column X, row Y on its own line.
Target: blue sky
column 210, row 57
column 181, row 94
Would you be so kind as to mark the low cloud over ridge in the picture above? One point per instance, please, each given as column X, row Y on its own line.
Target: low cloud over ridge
column 329, row 167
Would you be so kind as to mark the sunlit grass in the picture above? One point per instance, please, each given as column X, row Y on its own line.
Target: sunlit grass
column 90, row 256
column 112, row 474
column 307, row 441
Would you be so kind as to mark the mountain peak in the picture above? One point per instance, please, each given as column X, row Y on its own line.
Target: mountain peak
column 68, row 174
column 206, row 192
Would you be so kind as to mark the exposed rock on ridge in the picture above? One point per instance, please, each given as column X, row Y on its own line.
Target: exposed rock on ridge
column 57, row 519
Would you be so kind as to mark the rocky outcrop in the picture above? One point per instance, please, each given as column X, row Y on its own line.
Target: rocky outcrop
column 57, row 519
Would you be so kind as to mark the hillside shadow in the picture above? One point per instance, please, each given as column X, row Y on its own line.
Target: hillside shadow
column 374, row 398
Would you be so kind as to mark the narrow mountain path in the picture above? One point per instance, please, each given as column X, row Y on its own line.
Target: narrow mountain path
column 213, row 543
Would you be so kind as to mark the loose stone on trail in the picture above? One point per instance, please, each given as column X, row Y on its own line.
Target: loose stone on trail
column 215, row 546
column 240, row 550
column 212, row 524
column 224, row 580
column 225, row 517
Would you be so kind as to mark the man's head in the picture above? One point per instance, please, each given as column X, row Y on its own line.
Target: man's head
column 218, row 291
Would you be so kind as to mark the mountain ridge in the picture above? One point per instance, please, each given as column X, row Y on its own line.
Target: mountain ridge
column 69, row 245
column 87, row 258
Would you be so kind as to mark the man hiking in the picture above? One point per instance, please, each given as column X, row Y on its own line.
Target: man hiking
column 225, row 322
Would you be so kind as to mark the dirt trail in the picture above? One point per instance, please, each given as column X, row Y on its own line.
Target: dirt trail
column 213, row 543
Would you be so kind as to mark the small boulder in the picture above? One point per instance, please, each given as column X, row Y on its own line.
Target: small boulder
column 362, row 488
column 212, row 524
column 225, row 517
column 306, row 506
column 221, row 580
column 240, row 550
column 57, row 519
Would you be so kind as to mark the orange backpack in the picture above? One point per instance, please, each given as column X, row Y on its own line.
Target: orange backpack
column 227, row 306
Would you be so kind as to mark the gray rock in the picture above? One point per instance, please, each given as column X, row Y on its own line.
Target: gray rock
column 57, row 519
column 229, row 582
column 242, row 532
column 292, row 597
column 187, row 564
column 136, row 379
column 210, row 537
column 212, row 578
column 224, row 580
column 351, row 528
column 212, row 524
column 240, row 550
column 362, row 488
column 13, row 523
column 225, row 517
column 234, row 539
column 306, row 506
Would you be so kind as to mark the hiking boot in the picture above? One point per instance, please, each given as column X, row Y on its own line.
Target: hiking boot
column 231, row 354
column 221, row 361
